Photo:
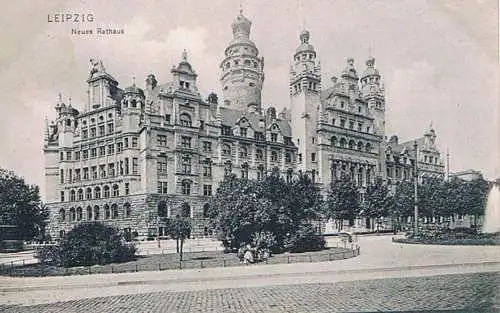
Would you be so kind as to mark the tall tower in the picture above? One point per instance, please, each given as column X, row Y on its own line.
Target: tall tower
column 373, row 93
column 242, row 70
column 102, row 87
column 305, row 89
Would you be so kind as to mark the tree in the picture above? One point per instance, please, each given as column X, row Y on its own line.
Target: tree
column 89, row 244
column 377, row 200
column 476, row 197
column 179, row 228
column 20, row 205
column 342, row 202
column 404, row 200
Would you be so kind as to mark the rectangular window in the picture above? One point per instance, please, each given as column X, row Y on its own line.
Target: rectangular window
column 243, row 132
column 300, row 157
column 70, row 175
column 162, row 140
column 259, row 136
column 127, row 189
column 342, row 123
column 119, row 147
column 61, row 156
column 68, row 155
column 85, row 154
column 274, row 137
column 92, row 132
column 85, row 173
column 333, row 122
column 102, row 151
column 167, row 118
column 78, row 175
column 93, row 152
column 111, row 128
column 126, row 166
column 186, row 142
column 162, row 164
column 360, row 126
column 244, row 173
column 61, row 176
column 351, row 125
column 102, row 171
column 162, row 187
column 111, row 149
column 134, row 142
column 202, row 125
column 62, row 196
column 259, row 154
column 94, row 172
column 368, row 129
column 207, row 170
column 111, row 169
column 77, row 155
column 85, row 133
column 186, row 165
column 126, row 143
column 135, row 166
column 313, row 157
column 207, row 190
column 101, row 130
column 207, row 146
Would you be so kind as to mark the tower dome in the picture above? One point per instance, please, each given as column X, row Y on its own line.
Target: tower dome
column 304, row 42
column 241, row 26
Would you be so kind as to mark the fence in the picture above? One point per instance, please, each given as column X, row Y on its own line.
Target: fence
column 18, row 269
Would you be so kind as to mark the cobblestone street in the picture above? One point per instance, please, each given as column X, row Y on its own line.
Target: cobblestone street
column 476, row 292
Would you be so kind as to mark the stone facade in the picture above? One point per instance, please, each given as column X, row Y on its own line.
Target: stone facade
column 132, row 155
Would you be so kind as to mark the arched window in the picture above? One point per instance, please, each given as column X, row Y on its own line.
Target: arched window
column 360, row 145
column 185, row 119
column 351, row 144
column 80, row 194
column 88, row 193
column 334, row 141
column 343, row 143
column 186, row 210
column 89, row 213
column 72, row 195
column 114, row 211
column 106, row 192
column 116, row 191
column 62, row 233
column 206, row 207
column 96, row 212
column 72, row 215
column 186, row 187
column 243, row 152
column 128, row 210
column 79, row 214
column 107, row 212
column 226, row 149
column 62, row 215
column 368, row 147
column 97, row 192
column 162, row 209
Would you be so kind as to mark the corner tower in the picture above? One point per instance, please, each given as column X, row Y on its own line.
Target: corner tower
column 305, row 89
column 242, row 70
column 373, row 93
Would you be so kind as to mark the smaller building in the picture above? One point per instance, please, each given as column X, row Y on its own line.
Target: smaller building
column 467, row 175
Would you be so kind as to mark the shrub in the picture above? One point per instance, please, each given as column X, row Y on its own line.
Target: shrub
column 49, row 255
column 94, row 243
column 305, row 239
column 264, row 240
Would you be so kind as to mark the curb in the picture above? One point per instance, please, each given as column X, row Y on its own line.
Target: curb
column 248, row 276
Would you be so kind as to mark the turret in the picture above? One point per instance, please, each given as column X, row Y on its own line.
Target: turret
column 373, row 93
column 102, row 87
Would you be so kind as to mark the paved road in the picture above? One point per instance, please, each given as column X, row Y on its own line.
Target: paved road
column 476, row 292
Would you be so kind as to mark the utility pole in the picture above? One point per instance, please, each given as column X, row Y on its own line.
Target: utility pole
column 158, row 230
column 415, row 147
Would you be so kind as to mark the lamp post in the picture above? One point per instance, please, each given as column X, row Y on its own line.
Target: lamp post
column 415, row 217
column 158, row 230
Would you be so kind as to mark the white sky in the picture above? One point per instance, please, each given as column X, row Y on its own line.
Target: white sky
column 439, row 61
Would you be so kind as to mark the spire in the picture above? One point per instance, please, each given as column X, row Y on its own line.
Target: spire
column 133, row 81
column 184, row 55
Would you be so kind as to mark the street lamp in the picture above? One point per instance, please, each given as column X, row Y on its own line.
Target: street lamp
column 415, row 147
column 158, row 230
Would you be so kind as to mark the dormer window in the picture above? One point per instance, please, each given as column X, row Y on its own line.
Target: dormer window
column 274, row 137
column 243, row 132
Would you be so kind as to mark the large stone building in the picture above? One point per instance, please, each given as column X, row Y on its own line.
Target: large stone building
column 132, row 155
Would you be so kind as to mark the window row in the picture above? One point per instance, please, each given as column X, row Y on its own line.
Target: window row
column 100, row 171
column 94, row 213
column 99, row 131
column 351, row 144
column 186, row 211
column 351, row 125
column 94, row 193
column 100, row 151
